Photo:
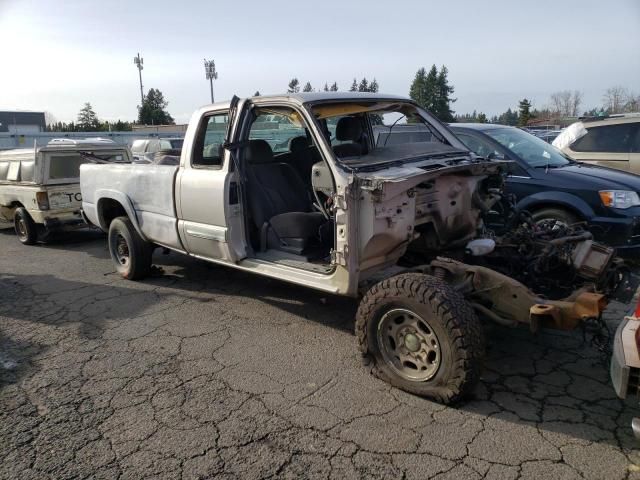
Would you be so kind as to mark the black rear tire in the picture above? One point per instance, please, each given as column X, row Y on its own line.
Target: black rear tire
column 25, row 227
column 130, row 253
column 451, row 325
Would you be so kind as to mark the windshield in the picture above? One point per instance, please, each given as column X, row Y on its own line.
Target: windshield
column 377, row 132
column 534, row 151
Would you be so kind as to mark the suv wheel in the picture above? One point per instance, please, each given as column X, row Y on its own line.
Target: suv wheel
column 421, row 335
column 130, row 253
column 25, row 227
column 561, row 217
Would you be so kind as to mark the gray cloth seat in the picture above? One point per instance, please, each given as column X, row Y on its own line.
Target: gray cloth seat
column 279, row 203
column 303, row 156
column 348, row 129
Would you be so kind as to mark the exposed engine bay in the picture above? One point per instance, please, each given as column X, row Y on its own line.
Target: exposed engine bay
column 511, row 268
column 551, row 258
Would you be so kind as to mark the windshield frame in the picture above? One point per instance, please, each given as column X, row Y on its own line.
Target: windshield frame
column 432, row 123
column 556, row 159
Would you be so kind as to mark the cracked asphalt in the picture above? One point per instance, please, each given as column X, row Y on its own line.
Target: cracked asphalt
column 208, row 372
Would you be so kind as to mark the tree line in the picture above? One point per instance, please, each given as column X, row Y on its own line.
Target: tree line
column 362, row 86
column 561, row 105
column 153, row 111
column 430, row 89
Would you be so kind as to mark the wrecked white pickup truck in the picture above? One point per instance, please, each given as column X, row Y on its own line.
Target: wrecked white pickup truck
column 39, row 187
column 295, row 188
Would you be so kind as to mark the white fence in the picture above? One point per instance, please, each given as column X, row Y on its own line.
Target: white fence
column 12, row 140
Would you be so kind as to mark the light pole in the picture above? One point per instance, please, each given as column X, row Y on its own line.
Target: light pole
column 210, row 70
column 138, row 62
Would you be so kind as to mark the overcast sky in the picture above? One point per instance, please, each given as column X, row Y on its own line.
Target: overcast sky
column 58, row 54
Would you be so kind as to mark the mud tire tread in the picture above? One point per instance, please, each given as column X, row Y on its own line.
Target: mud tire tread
column 460, row 322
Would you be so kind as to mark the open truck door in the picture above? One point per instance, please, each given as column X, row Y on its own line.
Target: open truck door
column 209, row 178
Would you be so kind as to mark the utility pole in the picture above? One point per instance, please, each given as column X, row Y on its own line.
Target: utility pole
column 211, row 73
column 138, row 62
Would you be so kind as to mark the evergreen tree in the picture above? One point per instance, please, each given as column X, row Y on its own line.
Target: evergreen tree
column 417, row 90
column 507, row 118
column 152, row 111
column 307, row 87
column 257, row 94
column 443, row 92
column 121, row 126
column 431, row 90
column 334, row 87
column 373, row 86
column 354, row 86
column 482, row 118
column 424, row 88
column 364, row 85
column 524, row 107
column 294, row 86
column 326, row 87
column 87, row 119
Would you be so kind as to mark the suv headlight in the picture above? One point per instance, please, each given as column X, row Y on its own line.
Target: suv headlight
column 619, row 198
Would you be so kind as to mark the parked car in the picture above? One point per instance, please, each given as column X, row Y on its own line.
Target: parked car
column 612, row 141
column 336, row 211
column 143, row 149
column 550, row 185
column 40, row 187
column 547, row 135
column 166, row 157
column 625, row 361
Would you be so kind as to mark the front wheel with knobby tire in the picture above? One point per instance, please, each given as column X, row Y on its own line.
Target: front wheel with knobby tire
column 25, row 227
column 130, row 253
column 420, row 335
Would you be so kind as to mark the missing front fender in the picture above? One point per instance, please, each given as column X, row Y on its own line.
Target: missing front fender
column 509, row 302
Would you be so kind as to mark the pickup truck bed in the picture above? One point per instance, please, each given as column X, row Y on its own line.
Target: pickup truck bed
column 145, row 191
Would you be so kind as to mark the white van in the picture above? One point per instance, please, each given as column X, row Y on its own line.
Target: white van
column 612, row 141
column 40, row 187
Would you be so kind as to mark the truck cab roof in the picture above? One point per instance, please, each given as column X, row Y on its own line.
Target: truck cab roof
column 316, row 97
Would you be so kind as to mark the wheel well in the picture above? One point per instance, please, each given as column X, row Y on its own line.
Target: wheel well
column 558, row 206
column 108, row 209
column 10, row 209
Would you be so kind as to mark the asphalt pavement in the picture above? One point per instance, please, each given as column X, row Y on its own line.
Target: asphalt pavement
column 207, row 372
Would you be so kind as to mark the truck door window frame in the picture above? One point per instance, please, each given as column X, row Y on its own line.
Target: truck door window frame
column 196, row 159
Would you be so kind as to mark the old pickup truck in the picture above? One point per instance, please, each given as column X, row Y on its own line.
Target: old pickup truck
column 39, row 187
column 294, row 187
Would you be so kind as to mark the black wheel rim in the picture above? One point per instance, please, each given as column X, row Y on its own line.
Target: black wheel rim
column 553, row 222
column 408, row 345
column 22, row 230
column 121, row 250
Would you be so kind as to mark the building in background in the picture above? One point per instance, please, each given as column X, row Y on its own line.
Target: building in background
column 161, row 129
column 21, row 122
